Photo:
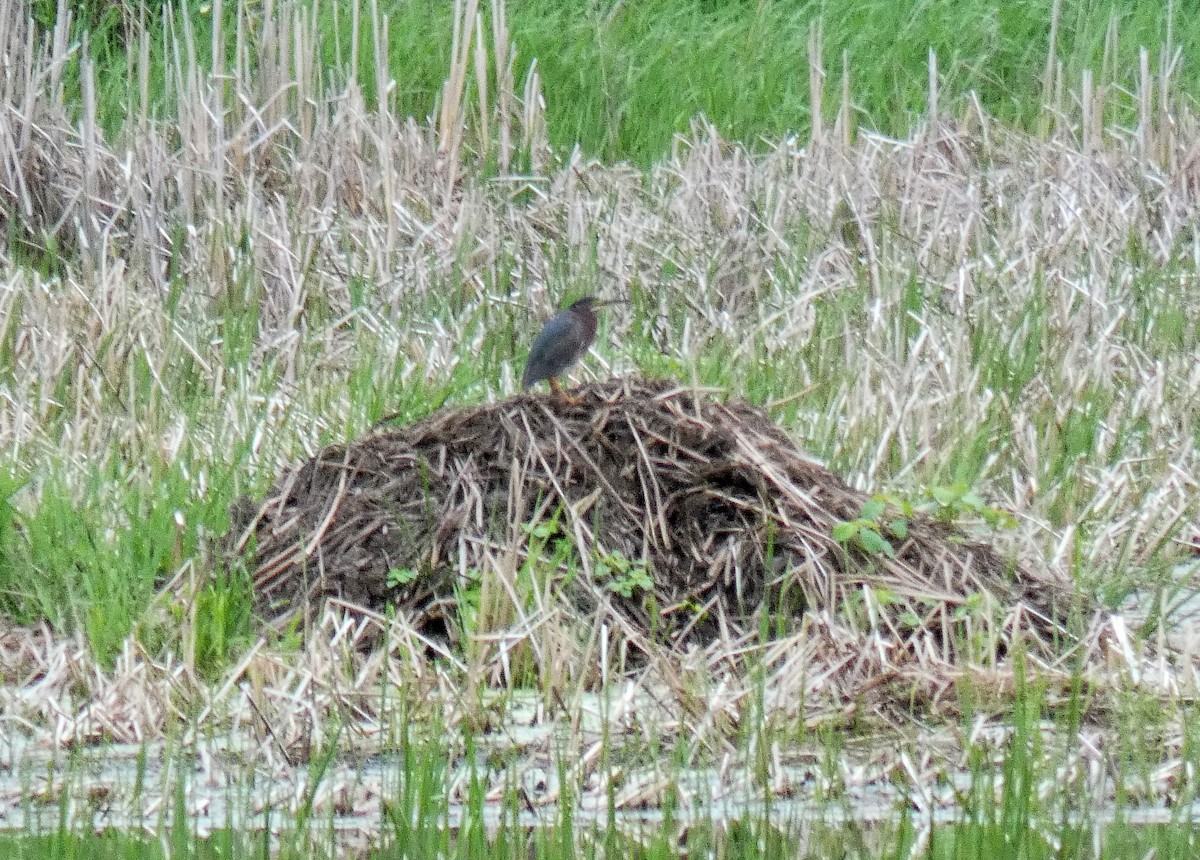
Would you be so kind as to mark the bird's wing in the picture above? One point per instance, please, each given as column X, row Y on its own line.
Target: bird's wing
column 556, row 347
column 567, row 344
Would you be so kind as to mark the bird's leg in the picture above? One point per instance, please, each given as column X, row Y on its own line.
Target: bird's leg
column 560, row 393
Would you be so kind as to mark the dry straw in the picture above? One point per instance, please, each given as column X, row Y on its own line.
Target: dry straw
column 270, row 170
column 732, row 523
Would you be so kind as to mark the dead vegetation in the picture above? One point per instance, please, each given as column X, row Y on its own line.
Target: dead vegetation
column 729, row 523
column 273, row 193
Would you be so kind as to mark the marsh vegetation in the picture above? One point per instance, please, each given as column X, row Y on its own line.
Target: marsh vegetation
column 964, row 287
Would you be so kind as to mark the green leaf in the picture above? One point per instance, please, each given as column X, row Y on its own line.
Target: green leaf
column 898, row 529
column 875, row 543
column 885, row 596
column 945, row 495
column 845, row 532
column 973, row 501
column 400, row 576
column 873, row 510
column 621, row 587
column 541, row 530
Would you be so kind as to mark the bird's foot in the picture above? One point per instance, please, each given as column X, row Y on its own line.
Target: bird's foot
column 562, row 394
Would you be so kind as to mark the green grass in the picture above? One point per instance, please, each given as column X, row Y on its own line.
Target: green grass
column 742, row 839
column 621, row 79
column 999, row 811
column 105, row 536
column 1016, row 804
column 1059, row 387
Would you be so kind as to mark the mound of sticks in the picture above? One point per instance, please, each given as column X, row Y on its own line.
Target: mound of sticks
column 676, row 519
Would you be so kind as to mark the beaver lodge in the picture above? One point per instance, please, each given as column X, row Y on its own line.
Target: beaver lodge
column 643, row 521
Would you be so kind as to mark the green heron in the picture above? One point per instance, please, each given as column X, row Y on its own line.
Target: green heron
column 562, row 342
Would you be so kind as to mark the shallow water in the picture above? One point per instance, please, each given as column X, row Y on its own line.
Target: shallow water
column 244, row 782
column 135, row 788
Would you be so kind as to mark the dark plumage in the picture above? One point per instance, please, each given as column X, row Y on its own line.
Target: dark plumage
column 562, row 342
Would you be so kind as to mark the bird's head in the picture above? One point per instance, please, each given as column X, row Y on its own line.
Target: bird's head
column 588, row 303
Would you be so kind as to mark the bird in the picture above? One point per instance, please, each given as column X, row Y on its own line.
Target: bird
column 562, row 342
